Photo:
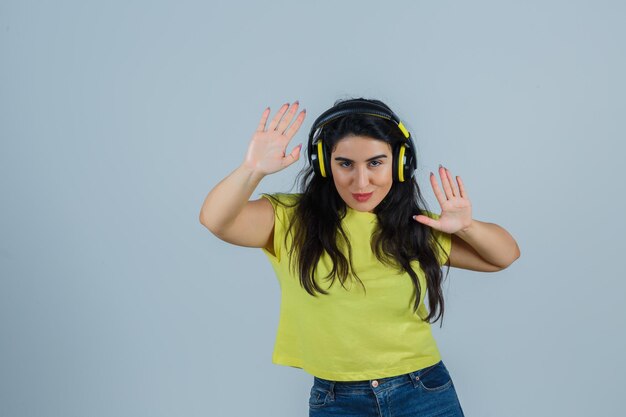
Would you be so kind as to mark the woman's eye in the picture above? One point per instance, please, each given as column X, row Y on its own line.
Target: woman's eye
column 346, row 164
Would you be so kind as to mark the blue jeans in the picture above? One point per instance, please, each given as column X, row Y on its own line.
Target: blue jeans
column 426, row 392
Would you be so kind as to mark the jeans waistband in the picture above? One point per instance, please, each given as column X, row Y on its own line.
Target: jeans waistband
column 380, row 384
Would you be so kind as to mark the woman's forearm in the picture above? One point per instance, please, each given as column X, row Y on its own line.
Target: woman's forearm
column 227, row 199
column 493, row 243
column 266, row 154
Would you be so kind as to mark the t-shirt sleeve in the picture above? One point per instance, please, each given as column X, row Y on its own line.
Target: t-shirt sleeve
column 444, row 240
column 281, row 222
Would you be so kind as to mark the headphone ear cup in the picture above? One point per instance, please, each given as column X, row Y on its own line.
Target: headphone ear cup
column 396, row 161
column 320, row 157
column 314, row 159
column 326, row 152
column 409, row 163
column 403, row 163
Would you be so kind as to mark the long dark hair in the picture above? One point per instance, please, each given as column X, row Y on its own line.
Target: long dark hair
column 397, row 240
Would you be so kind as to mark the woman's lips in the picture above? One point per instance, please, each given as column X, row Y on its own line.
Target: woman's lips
column 362, row 197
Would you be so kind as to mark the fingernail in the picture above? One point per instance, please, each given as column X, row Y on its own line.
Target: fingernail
column 297, row 102
column 440, row 166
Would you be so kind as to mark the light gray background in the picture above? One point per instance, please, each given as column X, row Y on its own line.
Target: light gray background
column 117, row 118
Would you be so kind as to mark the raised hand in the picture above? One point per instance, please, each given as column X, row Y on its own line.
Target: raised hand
column 267, row 150
column 456, row 208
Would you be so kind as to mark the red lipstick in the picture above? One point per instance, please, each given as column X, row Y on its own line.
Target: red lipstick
column 362, row 197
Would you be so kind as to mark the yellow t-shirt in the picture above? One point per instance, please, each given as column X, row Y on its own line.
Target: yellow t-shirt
column 349, row 335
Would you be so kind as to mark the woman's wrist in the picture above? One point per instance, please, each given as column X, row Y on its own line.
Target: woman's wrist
column 464, row 232
column 252, row 173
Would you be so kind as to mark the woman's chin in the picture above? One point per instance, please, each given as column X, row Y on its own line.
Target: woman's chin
column 364, row 206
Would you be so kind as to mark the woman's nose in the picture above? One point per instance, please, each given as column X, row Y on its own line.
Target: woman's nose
column 362, row 179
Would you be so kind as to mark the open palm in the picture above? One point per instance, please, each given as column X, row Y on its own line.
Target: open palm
column 267, row 149
column 456, row 208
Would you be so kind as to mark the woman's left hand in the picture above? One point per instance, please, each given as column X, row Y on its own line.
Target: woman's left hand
column 456, row 209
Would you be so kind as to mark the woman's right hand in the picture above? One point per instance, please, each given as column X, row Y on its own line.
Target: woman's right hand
column 268, row 146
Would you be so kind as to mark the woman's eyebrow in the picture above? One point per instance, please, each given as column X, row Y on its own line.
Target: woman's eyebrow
column 341, row 158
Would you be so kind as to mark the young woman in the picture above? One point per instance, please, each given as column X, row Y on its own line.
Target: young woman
column 356, row 254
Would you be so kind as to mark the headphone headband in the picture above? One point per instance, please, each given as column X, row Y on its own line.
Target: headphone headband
column 348, row 107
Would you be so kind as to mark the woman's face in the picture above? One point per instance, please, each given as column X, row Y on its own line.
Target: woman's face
column 362, row 171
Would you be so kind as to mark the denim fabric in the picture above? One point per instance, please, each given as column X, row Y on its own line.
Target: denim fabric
column 427, row 392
